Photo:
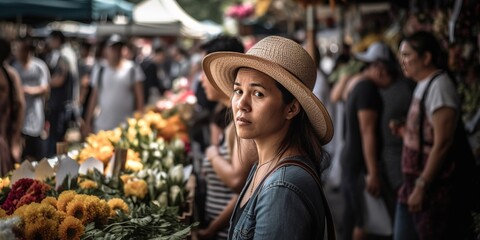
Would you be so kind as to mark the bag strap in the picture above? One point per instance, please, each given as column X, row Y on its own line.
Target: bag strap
column 328, row 214
column 422, row 116
column 100, row 78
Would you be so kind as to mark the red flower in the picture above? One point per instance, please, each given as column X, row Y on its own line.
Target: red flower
column 24, row 191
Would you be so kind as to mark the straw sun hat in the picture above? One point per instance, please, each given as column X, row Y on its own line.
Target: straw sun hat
column 283, row 60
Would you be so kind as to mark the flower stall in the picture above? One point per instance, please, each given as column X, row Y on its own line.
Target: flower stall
column 132, row 182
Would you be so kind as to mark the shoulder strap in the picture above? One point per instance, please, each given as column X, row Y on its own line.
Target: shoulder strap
column 328, row 214
column 100, row 78
column 422, row 116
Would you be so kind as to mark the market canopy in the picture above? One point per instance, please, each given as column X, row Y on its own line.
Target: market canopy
column 161, row 12
column 77, row 10
column 138, row 29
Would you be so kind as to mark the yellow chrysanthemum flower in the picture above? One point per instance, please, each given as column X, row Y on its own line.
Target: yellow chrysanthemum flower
column 45, row 230
column 36, row 212
column 136, row 188
column 133, row 156
column 155, row 119
column 78, row 210
column 117, row 204
column 40, row 221
column 64, row 198
column 71, row 228
column 97, row 210
column 125, row 178
column 142, row 123
column 88, row 184
column 100, row 145
column 3, row 213
column 132, row 122
column 92, row 208
column 4, row 182
column 103, row 212
column 115, row 135
column 50, row 201
column 144, row 127
column 131, row 133
column 133, row 165
column 20, row 211
column 61, row 216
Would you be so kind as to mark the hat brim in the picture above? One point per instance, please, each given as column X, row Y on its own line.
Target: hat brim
column 221, row 69
column 364, row 57
column 117, row 43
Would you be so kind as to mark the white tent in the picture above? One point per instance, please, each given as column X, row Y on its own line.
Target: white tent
column 158, row 12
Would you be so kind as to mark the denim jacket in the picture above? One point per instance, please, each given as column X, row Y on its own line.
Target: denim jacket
column 288, row 205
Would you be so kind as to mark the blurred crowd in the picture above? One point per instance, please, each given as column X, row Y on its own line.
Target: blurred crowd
column 380, row 94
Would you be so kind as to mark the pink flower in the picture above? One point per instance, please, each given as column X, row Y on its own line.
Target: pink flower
column 240, row 11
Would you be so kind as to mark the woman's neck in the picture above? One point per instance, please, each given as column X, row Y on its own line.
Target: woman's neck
column 426, row 73
column 226, row 102
column 268, row 148
column 25, row 61
column 115, row 63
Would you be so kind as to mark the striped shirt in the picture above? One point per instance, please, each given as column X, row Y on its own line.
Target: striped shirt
column 218, row 194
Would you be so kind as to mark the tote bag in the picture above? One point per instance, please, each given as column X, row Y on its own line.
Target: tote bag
column 376, row 218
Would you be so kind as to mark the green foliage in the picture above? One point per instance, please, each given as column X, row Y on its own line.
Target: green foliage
column 4, row 194
column 470, row 95
column 108, row 188
column 144, row 222
column 205, row 9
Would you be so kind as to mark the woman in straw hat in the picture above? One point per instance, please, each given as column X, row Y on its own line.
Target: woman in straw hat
column 270, row 88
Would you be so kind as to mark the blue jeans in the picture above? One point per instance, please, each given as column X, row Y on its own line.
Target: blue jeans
column 404, row 227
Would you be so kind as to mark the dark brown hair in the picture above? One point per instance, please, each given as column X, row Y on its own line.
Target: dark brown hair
column 302, row 136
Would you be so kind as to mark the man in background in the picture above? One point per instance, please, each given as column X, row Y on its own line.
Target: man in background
column 35, row 78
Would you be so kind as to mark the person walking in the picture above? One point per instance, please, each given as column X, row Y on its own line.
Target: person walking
column 117, row 89
column 35, row 79
column 59, row 110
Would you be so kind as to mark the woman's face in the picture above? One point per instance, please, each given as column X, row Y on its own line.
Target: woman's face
column 20, row 50
column 378, row 73
column 258, row 108
column 114, row 53
column 210, row 91
column 410, row 60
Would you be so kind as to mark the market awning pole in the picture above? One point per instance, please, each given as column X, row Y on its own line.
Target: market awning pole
column 310, row 30
column 453, row 19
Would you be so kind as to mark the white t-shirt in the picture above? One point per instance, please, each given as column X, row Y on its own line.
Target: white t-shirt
column 34, row 74
column 321, row 89
column 116, row 97
column 442, row 93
